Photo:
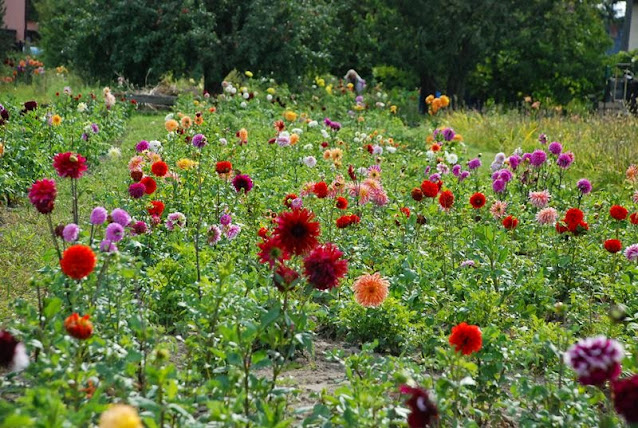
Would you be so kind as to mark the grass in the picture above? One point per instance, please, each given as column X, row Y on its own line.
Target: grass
column 24, row 240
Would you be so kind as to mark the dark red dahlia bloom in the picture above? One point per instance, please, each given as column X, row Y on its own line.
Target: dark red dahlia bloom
column 150, row 184
column 263, row 233
column 320, row 190
column 429, row 189
column 69, row 164
column 8, row 345
column 406, row 211
column 324, row 267
column 560, row 228
column 351, row 173
column 137, row 175
column 423, row 412
column 156, row 208
column 510, row 222
column 477, row 200
column 136, row 190
column 446, row 199
column 242, row 182
column 573, row 217
column 272, row 252
column 296, row 231
column 29, row 106
column 617, row 212
column 284, row 278
column 159, row 168
column 417, row 194
column 342, row 203
column 625, row 393
column 633, row 218
column 42, row 195
column 343, row 222
column 466, row 338
column 613, row 245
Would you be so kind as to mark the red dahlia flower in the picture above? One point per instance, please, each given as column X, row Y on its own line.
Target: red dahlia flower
column 42, row 195
column 633, row 218
column 510, row 222
column 417, row 194
column 78, row 327
column 78, row 261
column 617, row 212
column 423, row 412
column 429, row 189
column 150, row 184
column 69, row 164
column 284, row 277
column 223, row 167
column 323, row 267
column 342, row 203
column 625, row 393
column 466, row 338
column 159, row 168
column 288, row 199
column 446, row 199
column 477, row 200
column 613, row 245
column 296, row 231
column 320, row 189
column 271, row 252
column 156, row 208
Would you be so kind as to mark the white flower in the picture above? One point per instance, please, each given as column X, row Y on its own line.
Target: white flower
column 356, row 140
column 233, row 90
column 377, row 150
column 451, row 158
column 82, row 107
column 391, row 149
column 229, row 88
column 243, row 104
column 155, row 146
column 223, row 141
column 168, row 117
column 307, row 147
column 246, row 95
column 313, row 124
column 363, row 171
column 310, row 161
column 114, row 152
column 297, row 131
column 109, row 100
column 269, row 97
column 20, row 358
column 380, row 104
column 430, row 155
column 499, row 158
column 518, row 151
column 325, row 134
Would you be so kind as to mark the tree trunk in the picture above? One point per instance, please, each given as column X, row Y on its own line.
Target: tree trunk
column 428, row 86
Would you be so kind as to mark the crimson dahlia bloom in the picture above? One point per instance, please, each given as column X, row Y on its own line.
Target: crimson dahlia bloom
column 417, row 194
column 136, row 190
column 466, row 338
column 342, row 203
column 429, row 189
column 296, row 231
column 150, row 184
column 625, row 393
column 423, row 412
column 446, row 199
column 42, row 195
column 320, row 190
column 223, row 167
column 242, row 182
column 69, row 164
column 477, row 200
column 272, row 252
column 284, row 277
column 159, row 168
column 324, row 267
column 617, row 212
column 510, row 222
column 613, row 245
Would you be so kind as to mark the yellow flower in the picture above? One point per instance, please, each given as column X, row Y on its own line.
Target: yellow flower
column 359, row 107
column 171, row 125
column 196, row 103
column 429, row 139
column 243, row 134
column 429, row 99
column 186, row 122
column 56, row 120
column 154, row 157
column 445, row 101
column 294, row 139
column 458, row 137
column 336, row 154
column 329, row 89
column 393, row 109
column 120, row 416
column 271, row 91
column 350, row 86
column 320, row 82
column 290, row 116
column 186, row 163
column 248, row 73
